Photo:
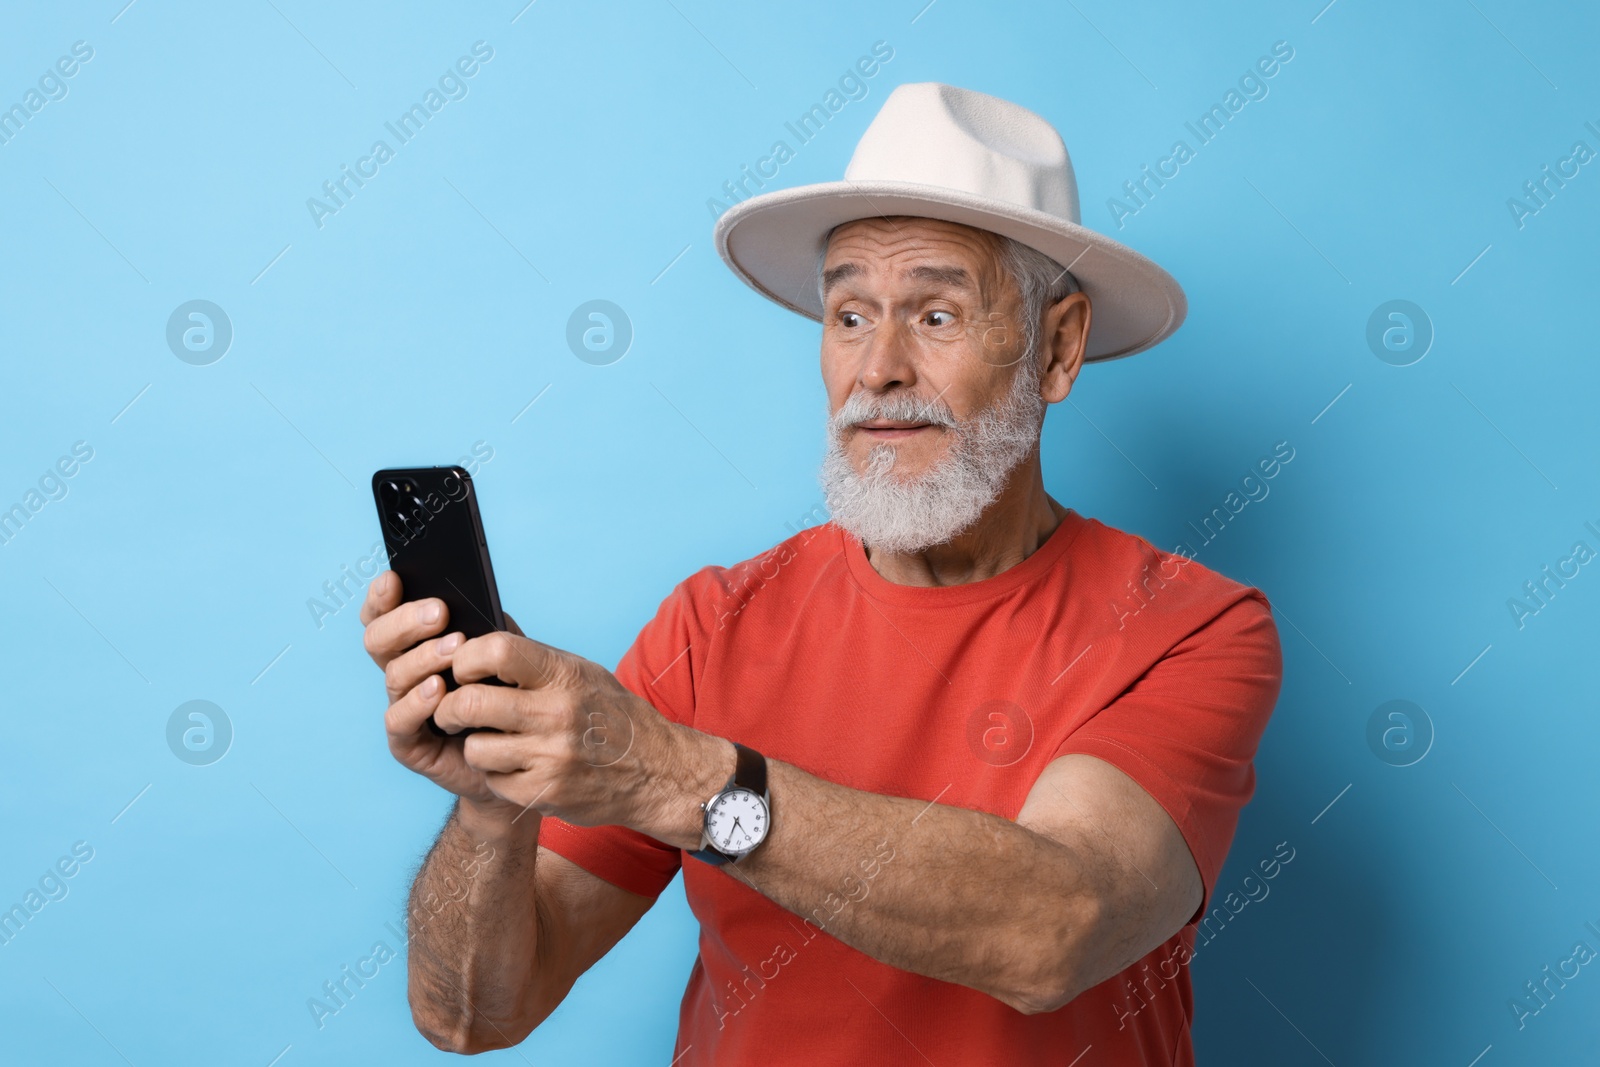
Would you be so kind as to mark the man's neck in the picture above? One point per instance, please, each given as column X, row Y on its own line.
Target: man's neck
column 1020, row 520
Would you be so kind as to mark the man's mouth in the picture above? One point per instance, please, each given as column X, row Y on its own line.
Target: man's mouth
column 893, row 429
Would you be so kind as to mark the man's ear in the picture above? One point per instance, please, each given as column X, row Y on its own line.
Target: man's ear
column 1065, row 339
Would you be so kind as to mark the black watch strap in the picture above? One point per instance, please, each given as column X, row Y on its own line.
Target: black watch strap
column 749, row 772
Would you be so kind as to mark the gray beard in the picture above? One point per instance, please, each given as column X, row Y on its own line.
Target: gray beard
column 905, row 515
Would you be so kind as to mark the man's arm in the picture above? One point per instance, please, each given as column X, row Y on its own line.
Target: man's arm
column 1092, row 876
column 501, row 928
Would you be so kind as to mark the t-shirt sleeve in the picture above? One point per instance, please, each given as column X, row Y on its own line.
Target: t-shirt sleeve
column 660, row 667
column 1188, row 728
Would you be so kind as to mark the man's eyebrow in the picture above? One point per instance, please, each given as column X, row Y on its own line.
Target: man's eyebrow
column 833, row 277
column 955, row 277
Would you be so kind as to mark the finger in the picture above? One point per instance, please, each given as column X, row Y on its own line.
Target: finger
column 496, row 753
column 406, row 720
column 482, row 705
column 407, row 671
column 513, row 786
column 512, row 623
column 396, row 631
column 521, row 661
column 383, row 596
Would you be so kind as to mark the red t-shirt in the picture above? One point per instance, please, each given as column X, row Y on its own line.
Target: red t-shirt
column 1097, row 643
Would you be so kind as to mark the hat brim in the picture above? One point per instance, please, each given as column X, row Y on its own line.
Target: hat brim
column 771, row 241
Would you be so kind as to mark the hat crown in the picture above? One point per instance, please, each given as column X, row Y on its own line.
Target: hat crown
column 936, row 134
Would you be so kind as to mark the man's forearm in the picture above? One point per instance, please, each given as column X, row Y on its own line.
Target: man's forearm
column 473, row 932
column 967, row 897
column 954, row 894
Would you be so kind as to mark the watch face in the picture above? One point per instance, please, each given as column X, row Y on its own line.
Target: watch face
column 736, row 822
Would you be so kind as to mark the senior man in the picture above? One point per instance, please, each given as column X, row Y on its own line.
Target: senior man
column 951, row 777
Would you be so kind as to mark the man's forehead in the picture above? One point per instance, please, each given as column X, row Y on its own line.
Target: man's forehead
column 903, row 234
column 922, row 250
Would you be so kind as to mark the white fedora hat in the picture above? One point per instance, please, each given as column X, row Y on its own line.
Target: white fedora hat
column 941, row 152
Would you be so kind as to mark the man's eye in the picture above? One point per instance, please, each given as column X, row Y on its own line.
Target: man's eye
column 849, row 318
column 947, row 316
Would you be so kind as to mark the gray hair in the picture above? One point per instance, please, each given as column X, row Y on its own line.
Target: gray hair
column 1041, row 280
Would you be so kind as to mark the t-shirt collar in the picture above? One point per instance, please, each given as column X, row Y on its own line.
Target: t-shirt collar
column 880, row 588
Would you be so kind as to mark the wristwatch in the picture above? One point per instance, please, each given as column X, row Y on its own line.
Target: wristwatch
column 737, row 818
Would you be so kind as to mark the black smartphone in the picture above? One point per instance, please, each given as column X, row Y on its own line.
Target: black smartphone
column 434, row 536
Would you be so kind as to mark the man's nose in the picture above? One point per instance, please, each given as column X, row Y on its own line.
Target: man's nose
column 889, row 358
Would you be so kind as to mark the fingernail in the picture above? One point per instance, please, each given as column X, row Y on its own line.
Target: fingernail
column 430, row 612
column 431, row 686
column 448, row 644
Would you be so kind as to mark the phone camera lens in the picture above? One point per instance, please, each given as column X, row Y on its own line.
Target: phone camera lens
column 390, row 494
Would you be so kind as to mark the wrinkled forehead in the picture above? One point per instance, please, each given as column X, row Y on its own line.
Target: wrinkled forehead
column 928, row 253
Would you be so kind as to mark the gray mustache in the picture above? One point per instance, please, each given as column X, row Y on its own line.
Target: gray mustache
column 859, row 408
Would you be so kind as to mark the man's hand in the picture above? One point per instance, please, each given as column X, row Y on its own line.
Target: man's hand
column 575, row 743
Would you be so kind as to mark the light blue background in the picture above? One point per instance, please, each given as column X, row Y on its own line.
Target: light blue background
column 427, row 313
